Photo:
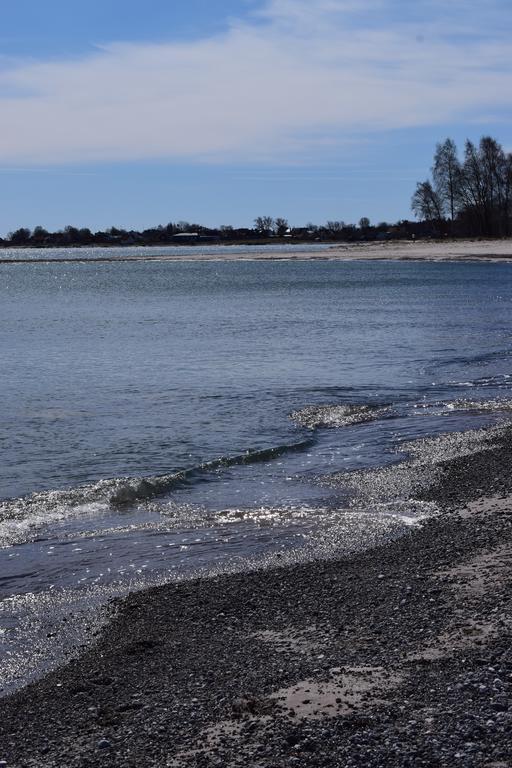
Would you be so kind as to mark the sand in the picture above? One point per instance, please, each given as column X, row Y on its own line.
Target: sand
column 427, row 250
column 393, row 250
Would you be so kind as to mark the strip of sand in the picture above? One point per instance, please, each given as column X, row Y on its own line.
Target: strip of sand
column 392, row 250
column 427, row 250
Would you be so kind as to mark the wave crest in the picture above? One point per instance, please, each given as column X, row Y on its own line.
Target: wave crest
column 21, row 518
column 332, row 416
column 494, row 404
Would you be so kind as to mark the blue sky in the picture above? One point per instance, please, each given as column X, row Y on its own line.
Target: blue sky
column 131, row 114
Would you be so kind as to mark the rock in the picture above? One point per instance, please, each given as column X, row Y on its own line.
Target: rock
column 309, row 745
column 500, row 704
column 103, row 744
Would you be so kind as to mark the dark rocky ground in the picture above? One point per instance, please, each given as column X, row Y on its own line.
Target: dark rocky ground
column 402, row 657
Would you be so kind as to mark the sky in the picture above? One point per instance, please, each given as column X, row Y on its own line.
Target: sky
column 131, row 114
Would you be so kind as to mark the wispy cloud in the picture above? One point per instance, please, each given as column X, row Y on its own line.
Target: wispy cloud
column 52, row 171
column 299, row 78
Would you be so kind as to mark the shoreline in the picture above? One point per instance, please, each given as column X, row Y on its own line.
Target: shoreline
column 398, row 250
column 395, row 656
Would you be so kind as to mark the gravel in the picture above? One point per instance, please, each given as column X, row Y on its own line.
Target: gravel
column 398, row 656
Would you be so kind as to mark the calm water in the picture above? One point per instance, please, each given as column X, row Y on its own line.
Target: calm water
column 145, row 428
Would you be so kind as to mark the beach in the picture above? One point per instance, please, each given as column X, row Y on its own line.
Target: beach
column 427, row 250
column 479, row 249
column 256, row 385
column 255, row 513
column 397, row 656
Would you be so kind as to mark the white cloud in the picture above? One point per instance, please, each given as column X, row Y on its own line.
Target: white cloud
column 302, row 77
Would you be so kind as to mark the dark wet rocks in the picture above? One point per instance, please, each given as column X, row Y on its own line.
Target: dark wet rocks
column 417, row 669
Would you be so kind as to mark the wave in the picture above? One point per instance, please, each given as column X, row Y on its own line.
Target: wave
column 485, row 382
column 138, row 489
column 493, row 404
column 466, row 361
column 332, row 416
column 20, row 518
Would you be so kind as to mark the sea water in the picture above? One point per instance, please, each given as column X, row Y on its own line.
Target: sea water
column 163, row 419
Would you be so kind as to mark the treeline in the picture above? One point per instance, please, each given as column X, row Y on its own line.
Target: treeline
column 465, row 196
column 469, row 195
column 266, row 229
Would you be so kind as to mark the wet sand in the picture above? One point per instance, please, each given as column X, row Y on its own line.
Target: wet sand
column 399, row 656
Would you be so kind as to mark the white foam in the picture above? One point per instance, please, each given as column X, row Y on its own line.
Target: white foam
column 313, row 416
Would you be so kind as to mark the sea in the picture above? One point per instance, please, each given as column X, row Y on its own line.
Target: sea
column 180, row 415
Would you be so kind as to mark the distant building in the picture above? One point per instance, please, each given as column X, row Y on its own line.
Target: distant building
column 190, row 238
column 186, row 236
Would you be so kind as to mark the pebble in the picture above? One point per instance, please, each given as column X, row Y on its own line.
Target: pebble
column 103, row 744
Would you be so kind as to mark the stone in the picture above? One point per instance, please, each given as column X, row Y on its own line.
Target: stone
column 103, row 744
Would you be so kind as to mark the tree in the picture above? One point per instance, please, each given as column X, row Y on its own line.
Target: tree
column 39, row 235
column 476, row 192
column 70, row 234
column 335, row 227
column 264, row 225
column 280, row 226
column 20, row 236
column 484, row 187
column 426, row 203
column 364, row 222
column 446, row 173
column 495, row 170
column 84, row 235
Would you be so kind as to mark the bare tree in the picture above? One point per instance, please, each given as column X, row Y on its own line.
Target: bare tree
column 476, row 191
column 445, row 172
column 280, row 226
column 426, row 203
column 39, row 234
column 483, row 188
column 335, row 227
column 19, row 236
column 264, row 225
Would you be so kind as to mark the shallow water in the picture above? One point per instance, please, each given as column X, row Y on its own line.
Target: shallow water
column 144, row 252
column 160, row 419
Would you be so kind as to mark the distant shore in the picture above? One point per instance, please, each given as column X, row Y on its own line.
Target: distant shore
column 397, row 656
column 392, row 250
column 427, row 250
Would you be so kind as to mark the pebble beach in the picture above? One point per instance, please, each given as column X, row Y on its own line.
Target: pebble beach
column 397, row 656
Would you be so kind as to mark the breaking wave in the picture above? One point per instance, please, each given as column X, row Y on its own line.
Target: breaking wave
column 491, row 405
column 22, row 516
column 331, row 416
column 494, row 404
